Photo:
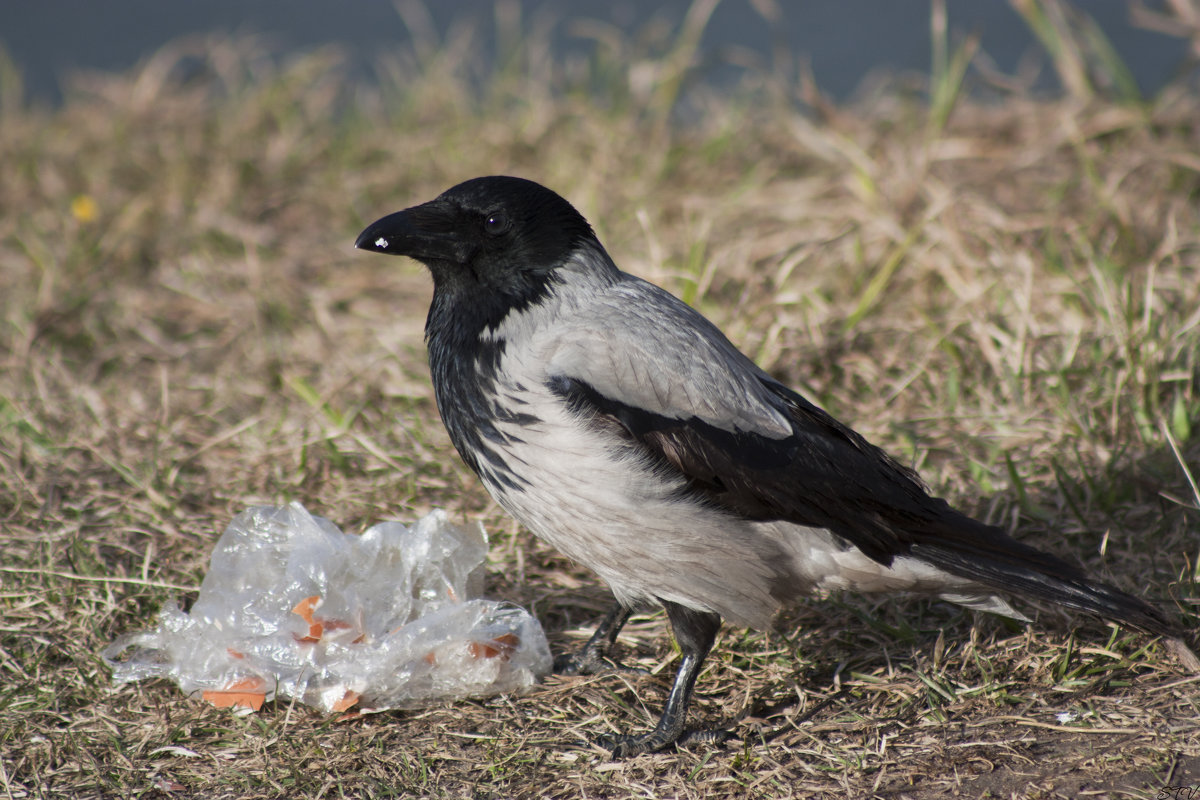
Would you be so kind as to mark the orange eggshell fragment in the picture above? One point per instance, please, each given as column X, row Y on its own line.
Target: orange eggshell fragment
column 239, row 693
column 315, row 631
column 502, row 646
column 348, row 699
column 304, row 609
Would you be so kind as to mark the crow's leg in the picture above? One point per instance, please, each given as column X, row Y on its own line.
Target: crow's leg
column 695, row 632
column 591, row 657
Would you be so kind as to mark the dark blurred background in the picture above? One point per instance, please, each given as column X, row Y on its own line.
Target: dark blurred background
column 845, row 42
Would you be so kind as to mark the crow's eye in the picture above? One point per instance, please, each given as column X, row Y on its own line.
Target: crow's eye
column 496, row 223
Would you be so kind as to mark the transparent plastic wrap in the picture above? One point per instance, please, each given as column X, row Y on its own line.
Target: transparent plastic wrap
column 292, row 606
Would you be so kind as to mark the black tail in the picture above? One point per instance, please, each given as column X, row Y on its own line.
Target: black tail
column 987, row 554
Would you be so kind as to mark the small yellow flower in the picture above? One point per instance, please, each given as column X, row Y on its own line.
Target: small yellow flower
column 83, row 208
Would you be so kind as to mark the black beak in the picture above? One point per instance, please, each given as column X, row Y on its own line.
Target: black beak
column 422, row 232
column 394, row 234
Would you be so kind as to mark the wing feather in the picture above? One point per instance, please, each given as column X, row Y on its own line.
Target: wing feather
column 748, row 445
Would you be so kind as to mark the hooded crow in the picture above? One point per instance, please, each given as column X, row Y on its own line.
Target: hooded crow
column 623, row 428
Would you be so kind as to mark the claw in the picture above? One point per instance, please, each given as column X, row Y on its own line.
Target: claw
column 694, row 632
column 705, row 736
column 593, row 656
column 629, row 746
column 584, row 662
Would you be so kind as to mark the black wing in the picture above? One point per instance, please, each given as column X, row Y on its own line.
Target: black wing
column 825, row 475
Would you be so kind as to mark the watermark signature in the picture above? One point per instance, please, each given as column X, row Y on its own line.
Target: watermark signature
column 1179, row 793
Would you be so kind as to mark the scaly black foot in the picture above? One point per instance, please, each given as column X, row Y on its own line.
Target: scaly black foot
column 628, row 746
column 704, row 736
column 695, row 632
column 593, row 656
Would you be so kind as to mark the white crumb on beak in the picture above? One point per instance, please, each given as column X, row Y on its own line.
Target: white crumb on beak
column 381, row 242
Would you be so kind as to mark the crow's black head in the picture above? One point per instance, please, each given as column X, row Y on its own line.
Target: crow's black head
column 495, row 246
column 487, row 236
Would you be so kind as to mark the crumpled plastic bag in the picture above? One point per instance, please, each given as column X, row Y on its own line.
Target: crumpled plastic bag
column 293, row 607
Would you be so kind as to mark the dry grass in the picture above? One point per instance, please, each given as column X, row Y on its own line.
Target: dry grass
column 1009, row 300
